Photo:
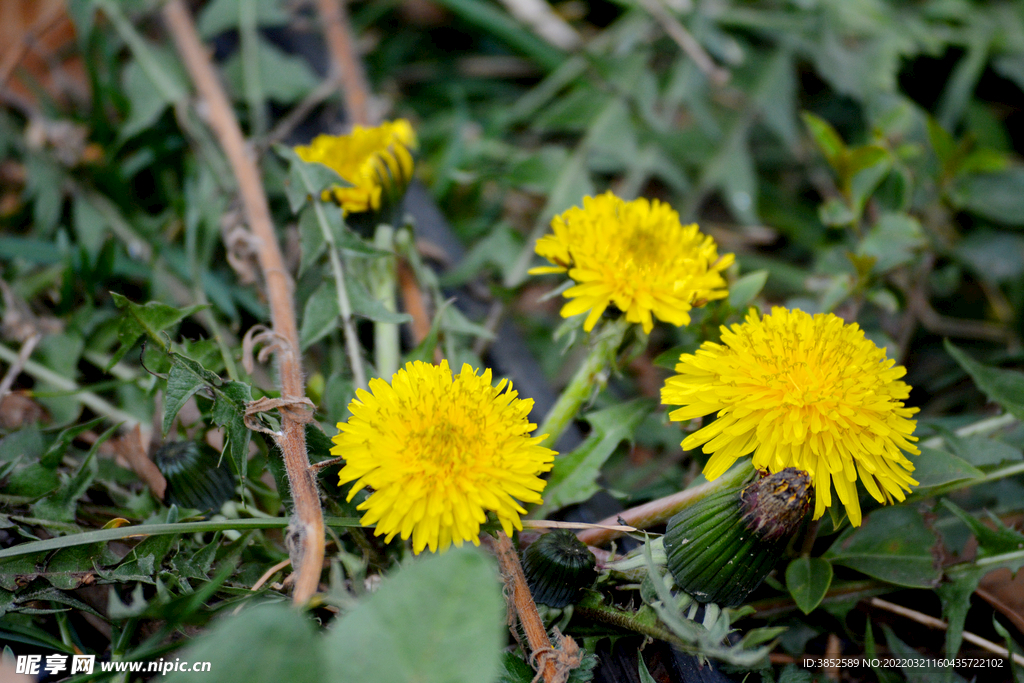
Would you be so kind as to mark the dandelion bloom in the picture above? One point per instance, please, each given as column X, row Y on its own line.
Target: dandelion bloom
column 438, row 451
column 805, row 392
column 372, row 160
column 636, row 255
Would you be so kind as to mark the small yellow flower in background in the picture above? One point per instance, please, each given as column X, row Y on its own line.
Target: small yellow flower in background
column 805, row 392
column 438, row 451
column 371, row 159
column 636, row 255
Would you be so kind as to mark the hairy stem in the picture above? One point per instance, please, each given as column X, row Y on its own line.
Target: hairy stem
column 307, row 550
column 519, row 595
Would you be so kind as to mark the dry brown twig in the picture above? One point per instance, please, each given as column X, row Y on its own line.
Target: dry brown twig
column 932, row 622
column 677, row 32
column 346, row 68
column 306, row 532
column 552, row 667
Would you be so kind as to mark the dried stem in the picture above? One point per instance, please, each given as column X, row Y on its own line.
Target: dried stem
column 932, row 622
column 658, row 511
column 519, row 593
column 346, row 68
column 677, row 32
column 307, row 526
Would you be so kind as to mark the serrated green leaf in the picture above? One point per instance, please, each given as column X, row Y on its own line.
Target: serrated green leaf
column 69, row 568
column 15, row 570
column 55, row 453
column 54, row 595
column 319, row 316
column 956, row 600
column 893, row 545
column 365, row 306
column 422, row 614
column 808, row 579
column 229, row 413
column 453, row 322
column 182, row 384
column 916, row 667
column 150, row 319
column 312, row 244
column 1005, row 387
column 743, row 291
column 306, row 180
column 574, row 475
column 991, row 542
column 61, row 504
column 514, row 669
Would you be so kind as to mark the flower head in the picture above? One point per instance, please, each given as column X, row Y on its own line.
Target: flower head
column 371, row 159
column 636, row 255
column 805, row 392
column 438, row 451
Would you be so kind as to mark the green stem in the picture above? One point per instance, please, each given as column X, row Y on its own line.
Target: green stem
column 144, row 530
column 86, row 398
column 591, row 375
column 591, row 607
column 982, row 427
column 65, row 629
column 994, row 475
column 355, row 354
column 387, row 350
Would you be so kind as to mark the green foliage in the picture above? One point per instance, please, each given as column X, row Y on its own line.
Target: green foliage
column 863, row 158
column 574, row 476
column 421, row 616
column 808, row 579
column 893, row 545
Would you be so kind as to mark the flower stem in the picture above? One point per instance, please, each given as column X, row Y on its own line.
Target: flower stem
column 591, row 374
column 307, row 525
column 658, row 511
column 387, row 350
column 348, row 326
column 519, row 594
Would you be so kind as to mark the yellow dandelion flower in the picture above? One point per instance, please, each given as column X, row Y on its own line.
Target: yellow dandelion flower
column 438, row 451
column 805, row 392
column 372, row 159
column 636, row 255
